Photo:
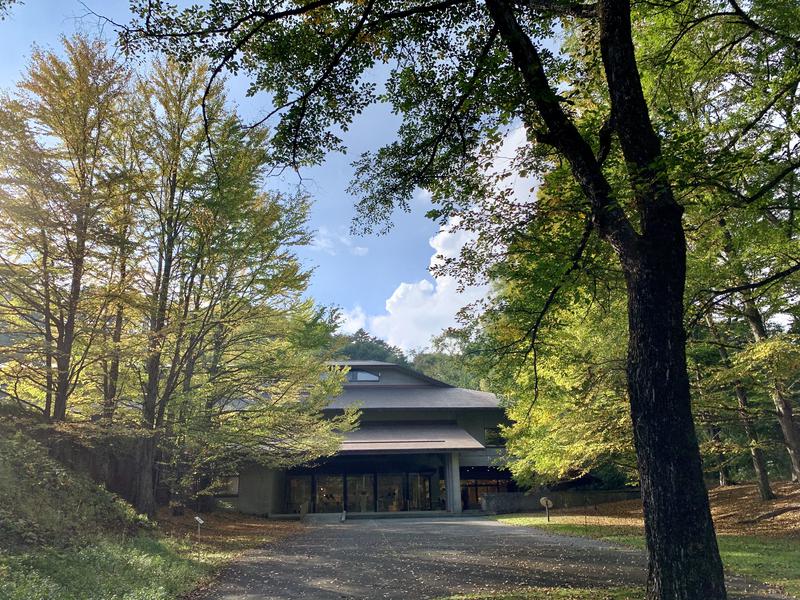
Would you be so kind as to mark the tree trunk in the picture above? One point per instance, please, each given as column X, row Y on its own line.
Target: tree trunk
column 714, row 433
column 67, row 339
column 759, row 465
column 144, row 475
column 158, row 321
column 47, row 316
column 684, row 559
column 110, row 400
column 783, row 404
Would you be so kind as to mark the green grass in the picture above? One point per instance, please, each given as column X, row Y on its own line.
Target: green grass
column 143, row 567
column 559, row 594
column 63, row 537
column 770, row 560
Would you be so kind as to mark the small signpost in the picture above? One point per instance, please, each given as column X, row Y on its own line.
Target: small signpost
column 548, row 504
column 199, row 522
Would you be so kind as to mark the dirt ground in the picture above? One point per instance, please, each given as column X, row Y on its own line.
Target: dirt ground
column 226, row 531
column 737, row 509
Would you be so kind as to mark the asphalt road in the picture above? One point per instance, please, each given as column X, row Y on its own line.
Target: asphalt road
column 428, row 558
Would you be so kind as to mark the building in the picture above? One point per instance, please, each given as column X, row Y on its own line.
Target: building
column 422, row 445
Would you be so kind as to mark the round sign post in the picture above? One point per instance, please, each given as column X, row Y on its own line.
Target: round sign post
column 548, row 504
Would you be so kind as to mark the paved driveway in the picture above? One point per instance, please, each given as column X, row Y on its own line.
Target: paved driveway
column 424, row 558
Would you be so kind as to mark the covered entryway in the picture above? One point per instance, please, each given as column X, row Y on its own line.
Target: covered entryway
column 386, row 468
column 396, row 483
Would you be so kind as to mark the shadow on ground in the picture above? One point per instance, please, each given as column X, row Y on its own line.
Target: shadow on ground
column 429, row 558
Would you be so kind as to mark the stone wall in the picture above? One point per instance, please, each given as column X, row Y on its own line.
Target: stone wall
column 513, row 502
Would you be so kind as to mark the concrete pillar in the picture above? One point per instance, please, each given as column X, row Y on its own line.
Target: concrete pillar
column 453, row 482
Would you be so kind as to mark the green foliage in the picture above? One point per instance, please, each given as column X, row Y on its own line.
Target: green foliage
column 571, row 416
column 140, row 567
column 363, row 346
column 152, row 281
column 42, row 502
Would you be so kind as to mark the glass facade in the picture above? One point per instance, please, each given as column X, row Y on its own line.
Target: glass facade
column 419, row 491
column 362, row 492
column 298, row 494
column 391, row 496
column 358, row 489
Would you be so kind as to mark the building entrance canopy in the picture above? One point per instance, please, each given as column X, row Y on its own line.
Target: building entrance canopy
column 375, row 438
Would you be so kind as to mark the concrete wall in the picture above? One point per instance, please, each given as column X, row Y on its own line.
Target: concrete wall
column 490, row 457
column 513, row 502
column 261, row 491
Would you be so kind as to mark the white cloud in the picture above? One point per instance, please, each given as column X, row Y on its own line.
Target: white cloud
column 417, row 311
column 334, row 242
column 353, row 320
column 323, row 242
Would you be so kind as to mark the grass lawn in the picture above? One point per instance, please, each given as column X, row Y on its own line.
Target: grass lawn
column 773, row 560
column 148, row 566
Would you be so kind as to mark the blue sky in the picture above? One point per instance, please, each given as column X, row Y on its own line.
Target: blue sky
column 380, row 282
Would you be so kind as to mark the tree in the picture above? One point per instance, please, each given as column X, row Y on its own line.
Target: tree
column 363, row 346
column 453, row 360
column 56, row 158
column 462, row 72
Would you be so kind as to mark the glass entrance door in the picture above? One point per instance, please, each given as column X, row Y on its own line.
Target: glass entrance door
column 330, row 493
column 391, row 494
column 361, row 493
column 419, row 491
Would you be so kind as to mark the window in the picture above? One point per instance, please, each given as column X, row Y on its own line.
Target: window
column 359, row 375
column 493, row 437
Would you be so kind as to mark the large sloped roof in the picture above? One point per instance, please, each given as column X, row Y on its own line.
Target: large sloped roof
column 419, row 392
column 411, row 437
column 413, row 397
column 377, row 364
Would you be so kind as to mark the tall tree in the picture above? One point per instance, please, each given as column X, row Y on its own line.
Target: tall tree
column 57, row 135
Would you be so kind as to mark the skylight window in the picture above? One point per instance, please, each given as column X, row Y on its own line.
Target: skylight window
column 355, row 375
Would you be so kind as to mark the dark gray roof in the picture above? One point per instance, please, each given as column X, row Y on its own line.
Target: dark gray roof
column 412, row 437
column 386, row 397
column 361, row 363
column 421, row 377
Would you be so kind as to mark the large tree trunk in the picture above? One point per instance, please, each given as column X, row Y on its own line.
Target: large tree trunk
column 783, row 404
column 684, row 559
